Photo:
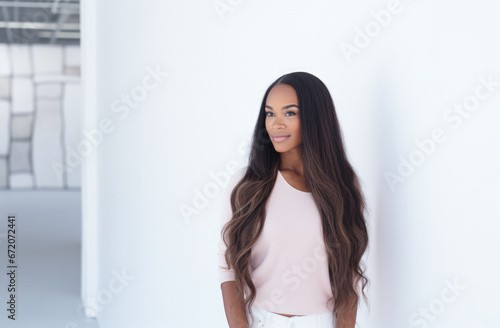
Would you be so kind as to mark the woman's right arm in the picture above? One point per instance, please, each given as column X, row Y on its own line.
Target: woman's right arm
column 233, row 301
column 233, row 305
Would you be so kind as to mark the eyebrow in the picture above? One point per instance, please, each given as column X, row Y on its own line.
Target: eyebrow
column 284, row 107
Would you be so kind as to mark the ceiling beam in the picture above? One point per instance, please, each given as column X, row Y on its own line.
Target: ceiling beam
column 60, row 35
column 39, row 26
column 18, row 4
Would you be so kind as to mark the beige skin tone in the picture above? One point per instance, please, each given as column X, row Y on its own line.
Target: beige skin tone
column 282, row 118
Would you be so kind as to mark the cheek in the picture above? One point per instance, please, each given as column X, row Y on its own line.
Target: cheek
column 296, row 127
column 297, row 132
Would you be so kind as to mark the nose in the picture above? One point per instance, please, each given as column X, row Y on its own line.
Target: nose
column 278, row 122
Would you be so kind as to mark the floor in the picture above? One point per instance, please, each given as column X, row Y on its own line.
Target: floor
column 47, row 245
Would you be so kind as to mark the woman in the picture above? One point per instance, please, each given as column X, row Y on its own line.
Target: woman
column 294, row 226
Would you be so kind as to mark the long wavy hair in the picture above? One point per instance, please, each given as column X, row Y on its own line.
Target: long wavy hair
column 334, row 186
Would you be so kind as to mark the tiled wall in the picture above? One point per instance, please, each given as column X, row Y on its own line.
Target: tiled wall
column 40, row 116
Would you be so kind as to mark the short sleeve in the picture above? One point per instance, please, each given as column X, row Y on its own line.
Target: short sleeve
column 225, row 274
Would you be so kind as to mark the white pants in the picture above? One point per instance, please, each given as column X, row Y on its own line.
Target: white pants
column 264, row 318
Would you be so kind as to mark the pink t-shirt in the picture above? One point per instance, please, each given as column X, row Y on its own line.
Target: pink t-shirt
column 288, row 264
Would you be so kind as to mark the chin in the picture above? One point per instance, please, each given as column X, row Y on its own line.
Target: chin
column 281, row 149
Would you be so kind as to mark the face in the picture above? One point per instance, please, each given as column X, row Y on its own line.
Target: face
column 282, row 118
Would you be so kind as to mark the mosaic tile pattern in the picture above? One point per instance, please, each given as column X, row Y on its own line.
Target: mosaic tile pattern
column 49, row 90
column 21, row 59
column 21, row 126
column 21, row 180
column 72, row 119
column 4, row 87
column 40, row 116
column 48, row 115
column 5, row 69
column 22, row 95
column 3, row 172
column 19, row 157
column 4, row 127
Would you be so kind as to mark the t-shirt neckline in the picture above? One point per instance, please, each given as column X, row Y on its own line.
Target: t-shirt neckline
column 290, row 186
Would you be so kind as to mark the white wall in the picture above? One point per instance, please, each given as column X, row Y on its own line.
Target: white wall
column 438, row 225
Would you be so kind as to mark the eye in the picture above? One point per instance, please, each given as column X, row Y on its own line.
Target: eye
column 285, row 114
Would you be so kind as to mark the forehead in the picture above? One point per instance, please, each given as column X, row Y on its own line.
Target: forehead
column 282, row 93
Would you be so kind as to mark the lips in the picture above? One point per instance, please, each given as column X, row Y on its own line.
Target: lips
column 280, row 137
